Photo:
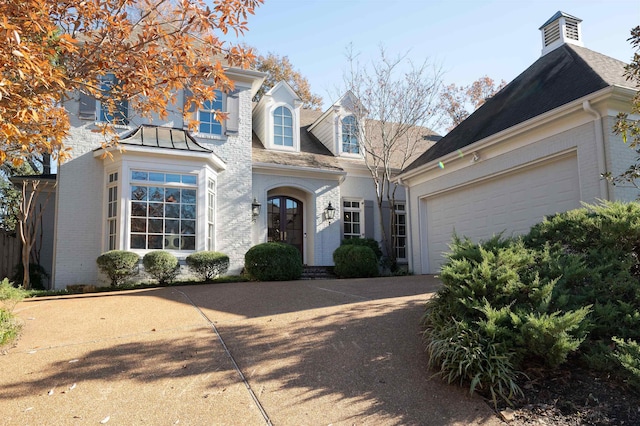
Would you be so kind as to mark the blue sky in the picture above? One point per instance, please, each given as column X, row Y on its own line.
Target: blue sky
column 468, row 39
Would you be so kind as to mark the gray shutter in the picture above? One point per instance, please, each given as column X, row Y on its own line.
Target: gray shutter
column 369, row 222
column 233, row 111
column 87, row 108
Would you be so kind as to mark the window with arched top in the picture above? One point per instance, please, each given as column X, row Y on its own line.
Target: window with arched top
column 350, row 135
column 282, row 127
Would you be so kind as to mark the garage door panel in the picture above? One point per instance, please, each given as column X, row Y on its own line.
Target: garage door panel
column 511, row 203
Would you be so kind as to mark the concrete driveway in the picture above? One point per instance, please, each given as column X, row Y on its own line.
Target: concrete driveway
column 334, row 352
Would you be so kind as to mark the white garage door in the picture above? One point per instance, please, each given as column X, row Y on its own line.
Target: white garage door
column 511, row 203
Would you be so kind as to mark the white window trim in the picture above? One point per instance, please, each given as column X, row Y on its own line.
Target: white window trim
column 294, row 125
column 405, row 236
column 360, row 210
column 204, row 173
column 99, row 122
column 340, row 135
column 195, row 116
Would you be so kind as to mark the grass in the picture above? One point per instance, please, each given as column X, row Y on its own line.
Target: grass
column 134, row 286
column 9, row 296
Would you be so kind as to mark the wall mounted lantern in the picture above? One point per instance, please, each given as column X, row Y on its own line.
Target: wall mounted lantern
column 330, row 212
column 255, row 209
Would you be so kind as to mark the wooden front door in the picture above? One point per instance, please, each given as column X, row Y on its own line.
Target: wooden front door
column 285, row 221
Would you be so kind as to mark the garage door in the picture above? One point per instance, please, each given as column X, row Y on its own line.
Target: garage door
column 511, row 203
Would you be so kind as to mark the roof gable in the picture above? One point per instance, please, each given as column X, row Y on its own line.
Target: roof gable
column 563, row 75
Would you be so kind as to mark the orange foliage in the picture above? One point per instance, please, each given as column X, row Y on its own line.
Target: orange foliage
column 51, row 50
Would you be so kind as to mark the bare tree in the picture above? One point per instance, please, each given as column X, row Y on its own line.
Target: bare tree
column 395, row 109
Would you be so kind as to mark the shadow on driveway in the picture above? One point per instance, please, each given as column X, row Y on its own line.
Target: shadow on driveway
column 313, row 352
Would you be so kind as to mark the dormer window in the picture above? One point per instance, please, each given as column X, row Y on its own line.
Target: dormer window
column 350, row 143
column 209, row 123
column 282, row 127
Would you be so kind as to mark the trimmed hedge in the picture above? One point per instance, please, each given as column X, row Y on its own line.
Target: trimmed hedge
column 367, row 242
column 118, row 265
column 161, row 265
column 355, row 261
column 208, row 264
column 273, row 262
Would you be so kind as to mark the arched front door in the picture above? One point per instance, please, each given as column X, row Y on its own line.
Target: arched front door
column 284, row 216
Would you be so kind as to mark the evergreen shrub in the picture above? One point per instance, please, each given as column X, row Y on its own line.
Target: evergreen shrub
column 368, row 242
column 355, row 261
column 161, row 265
column 208, row 264
column 496, row 302
column 273, row 262
column 118, row 265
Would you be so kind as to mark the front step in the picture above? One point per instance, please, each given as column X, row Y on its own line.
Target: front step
column 317, row 273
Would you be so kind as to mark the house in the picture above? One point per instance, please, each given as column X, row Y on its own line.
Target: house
column 271, row 171
column 536, row 148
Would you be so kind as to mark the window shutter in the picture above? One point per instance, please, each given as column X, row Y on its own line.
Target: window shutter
column 233, row 111
column 87, row 108
column 368, row 219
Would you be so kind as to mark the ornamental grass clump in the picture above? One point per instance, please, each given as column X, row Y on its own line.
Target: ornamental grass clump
column 118, row 265
column 161, row 265
column 208, row 265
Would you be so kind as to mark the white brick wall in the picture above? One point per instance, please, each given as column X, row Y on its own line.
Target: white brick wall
column 619, row 157
column 233, row 221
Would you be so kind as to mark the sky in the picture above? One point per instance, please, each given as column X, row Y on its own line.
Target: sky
column 467, row 39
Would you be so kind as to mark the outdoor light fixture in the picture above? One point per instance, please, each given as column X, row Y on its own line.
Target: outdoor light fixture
column 330, row 212
column 255, row 209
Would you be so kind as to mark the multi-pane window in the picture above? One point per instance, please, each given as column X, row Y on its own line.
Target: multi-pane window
column 207, row 116
column 116, row 113
column 112, row 210
column 282, row 127
column 351, row 219
column 211, row 214
column 350, row 135
column 400, row 231
column 163, row 210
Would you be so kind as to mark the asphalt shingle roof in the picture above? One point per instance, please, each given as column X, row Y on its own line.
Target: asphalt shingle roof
column 557, row 78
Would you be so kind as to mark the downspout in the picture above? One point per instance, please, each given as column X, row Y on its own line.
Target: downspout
column 600, row 149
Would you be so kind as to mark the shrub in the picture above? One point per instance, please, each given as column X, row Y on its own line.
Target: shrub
column 627, row 353
column 495, row 300
column 367, row 242
column 161, row 265
column 37, row 275
column 118, row 265
column 208, row 264
column 273, row 262
column 9, row 296
column 355, row 261
column 597, row 251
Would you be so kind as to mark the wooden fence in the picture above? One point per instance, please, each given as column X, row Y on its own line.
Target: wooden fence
column 9, row 253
